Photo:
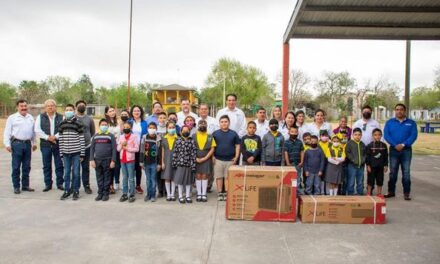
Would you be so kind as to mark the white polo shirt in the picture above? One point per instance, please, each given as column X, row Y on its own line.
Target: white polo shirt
column 262, row 128
column 237, row 119
column 367, row 128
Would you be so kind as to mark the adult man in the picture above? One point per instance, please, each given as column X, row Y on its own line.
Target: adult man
column 262, row 123
column 204, row 115
column 19, row 139
column 46, row 128
column 185, row 111
column 236, row 115
column 89, row 131
column 400, row 132
column 157, row 109
column 367, row 124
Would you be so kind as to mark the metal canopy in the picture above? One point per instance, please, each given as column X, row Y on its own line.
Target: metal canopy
column 365, row 19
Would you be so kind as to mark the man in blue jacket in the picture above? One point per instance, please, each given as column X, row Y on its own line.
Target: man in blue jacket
column 401, row 133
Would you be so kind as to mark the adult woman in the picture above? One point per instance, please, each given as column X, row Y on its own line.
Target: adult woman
column 277, row 114
column 113, row 128
column 289, row 121
column 139, row 128
column 319, row 125
column 300, row 123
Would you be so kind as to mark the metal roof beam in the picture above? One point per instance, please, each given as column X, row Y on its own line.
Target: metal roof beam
column 365, row 37
column 382, row 9
column 367, row 24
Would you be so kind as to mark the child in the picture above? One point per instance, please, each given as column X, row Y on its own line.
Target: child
column 72, row 151
column 294, row 155
column 355, row 151
column 273, row 142
column 162, row 124
column 377, row 162
column 251, row 146
column 343, row 130
column 226, row 153
column 205, row 145
column 103, row 158
column 128, row 145
column 324, row 145
column 150, row 159
column 307, row 137
column 172, row 117
column 190, row 122
column 184, row 162
column 335, row 155
column 314, row 167
column 167, row 174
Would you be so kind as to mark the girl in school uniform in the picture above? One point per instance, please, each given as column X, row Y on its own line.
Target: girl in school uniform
column 205, row 145
column 184, row 161
column 191, row 123
column 335, row 155
column 168, row 143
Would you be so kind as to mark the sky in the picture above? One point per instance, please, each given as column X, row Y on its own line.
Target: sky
column 178, row 41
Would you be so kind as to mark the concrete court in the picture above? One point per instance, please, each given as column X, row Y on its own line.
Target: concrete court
column 39, row 228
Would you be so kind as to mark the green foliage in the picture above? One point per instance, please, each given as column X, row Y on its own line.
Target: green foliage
column 334, row 86
column 425, row 98
column 33, row 92
column 7, row 94
column 247, row 82
column 117, row 96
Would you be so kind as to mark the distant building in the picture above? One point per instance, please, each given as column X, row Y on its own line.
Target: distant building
column 171, row 96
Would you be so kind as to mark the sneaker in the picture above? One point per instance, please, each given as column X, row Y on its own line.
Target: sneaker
column 17, row 191
column 75, row 196
column 204, row 198
column 139, row 190
column 219, row 197
column 131, row 199
column 199, row 198
column 169, row 199
column 407, row 197
column 65, row 195
column 105, row 197
column 123, row 198
column 153, row 200
column 224, row 196
column 60, row 187
column 181, row 200
column 88, row 190
column 99, row 197
column 146, row 198
column 389, row 195
column 116, row 186
column 189, row 200
column 173, row 198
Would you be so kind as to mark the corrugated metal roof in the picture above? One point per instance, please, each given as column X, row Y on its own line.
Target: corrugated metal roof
column 173, row 87
column 365, row 19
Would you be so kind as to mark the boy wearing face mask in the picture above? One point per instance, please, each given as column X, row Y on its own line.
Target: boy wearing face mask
column 356, row 155
column 150, row 160
column 294, row 155
column 273, row 143
column 102, row 158
column 335, row 155
column 89, row 131
column 72, row 151
column 314, row 161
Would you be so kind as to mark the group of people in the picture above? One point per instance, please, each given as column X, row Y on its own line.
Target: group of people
column 182, row 151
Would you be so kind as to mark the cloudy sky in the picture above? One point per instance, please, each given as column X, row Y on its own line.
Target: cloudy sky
column 177, row 41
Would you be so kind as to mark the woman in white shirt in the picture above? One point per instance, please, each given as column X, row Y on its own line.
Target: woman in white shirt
column 319, row 125
column 289, row 121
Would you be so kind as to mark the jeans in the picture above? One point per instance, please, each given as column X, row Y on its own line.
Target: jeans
column 402, row 159
column 138, row 169
column 355, row 173
column 47, row 152
column 151, row 179
column 128, row 179
column 21, row 157
column 71, row 165
column 85, row 166
column 273, row 163
column 103, row 174
column 313, row 184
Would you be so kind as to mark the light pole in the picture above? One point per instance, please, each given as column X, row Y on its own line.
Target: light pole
column 224, row 90
column 129, row 55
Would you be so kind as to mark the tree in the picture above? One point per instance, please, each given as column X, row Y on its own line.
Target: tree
column 381, row 93
column 247, row 82
column 335, row 86
column 298, row 93
column 425, row 98
column 60, row 89
column 7, row 94
column 33, row 92
column 83, row 90
column 117, row 96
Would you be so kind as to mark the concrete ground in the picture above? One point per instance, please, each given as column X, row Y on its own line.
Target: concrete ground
column 39, row 228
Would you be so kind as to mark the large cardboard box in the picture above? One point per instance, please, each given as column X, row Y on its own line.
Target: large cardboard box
column 261, row 193
column 342, row 209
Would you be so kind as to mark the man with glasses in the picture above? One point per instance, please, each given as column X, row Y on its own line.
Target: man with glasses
column 367, row 125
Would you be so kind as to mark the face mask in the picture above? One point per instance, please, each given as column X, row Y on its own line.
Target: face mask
column 69, row 114
column 173, row 120
column 190, row 124
column 81, row 109
column 127, row 130
column 185, row 134
column 293, row 137
column 103, row 129
column 171, row 131
column 314, row 145
column 274, row 128
column 152, row 131
column 202, row 128
column 124, row 118
column 336, row 144
column 324, row 139
column 366, row 115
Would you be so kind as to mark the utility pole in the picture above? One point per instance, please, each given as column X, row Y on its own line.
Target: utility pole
column 129, row 55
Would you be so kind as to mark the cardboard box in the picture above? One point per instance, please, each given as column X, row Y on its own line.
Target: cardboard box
column 342, row 209
column 261, row 193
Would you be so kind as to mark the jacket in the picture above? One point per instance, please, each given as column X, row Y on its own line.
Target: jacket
column 377, row 154
column 132, row 146
column 272, row 148
column 356, row 153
